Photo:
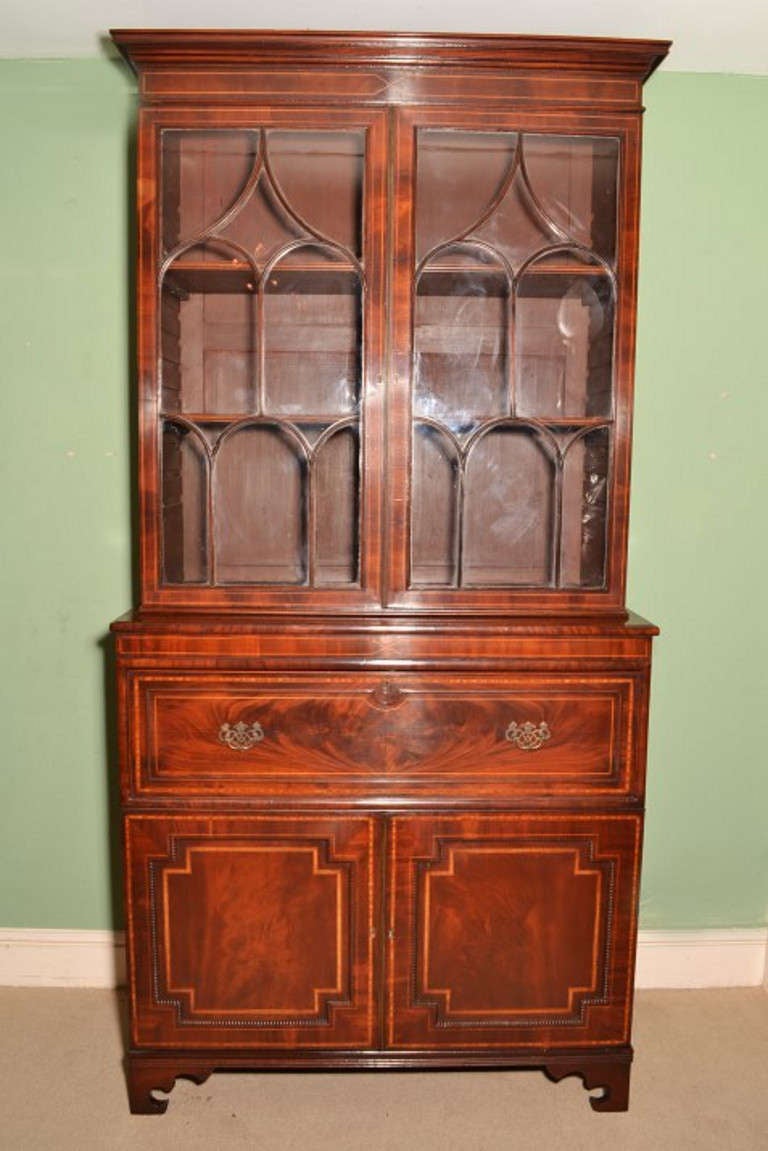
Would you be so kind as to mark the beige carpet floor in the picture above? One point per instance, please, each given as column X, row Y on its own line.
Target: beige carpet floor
column 700, row 1081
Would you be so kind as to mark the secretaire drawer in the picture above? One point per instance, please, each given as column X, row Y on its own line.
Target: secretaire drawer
column 396, row 734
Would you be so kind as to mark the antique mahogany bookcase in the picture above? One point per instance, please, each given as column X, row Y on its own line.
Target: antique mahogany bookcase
column 382, row 710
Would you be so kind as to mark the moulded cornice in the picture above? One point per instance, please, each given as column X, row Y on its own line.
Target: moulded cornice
column 147, row 48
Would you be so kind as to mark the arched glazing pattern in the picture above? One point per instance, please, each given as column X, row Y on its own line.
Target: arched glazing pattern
column 262, row 489
column 512, row 383
column 262, row 289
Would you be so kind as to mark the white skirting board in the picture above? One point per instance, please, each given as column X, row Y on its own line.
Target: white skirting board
column 722, row 957
column 730, row 957
column 47, row 957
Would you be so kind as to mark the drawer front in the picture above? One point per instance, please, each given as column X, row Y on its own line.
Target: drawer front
column 486, row 735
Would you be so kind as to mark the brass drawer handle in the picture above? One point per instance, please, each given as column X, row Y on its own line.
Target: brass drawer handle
column 241, row 736
column 528, row 736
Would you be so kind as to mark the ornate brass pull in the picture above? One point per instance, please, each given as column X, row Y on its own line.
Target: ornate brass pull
column 241, row 736
column 528, row 736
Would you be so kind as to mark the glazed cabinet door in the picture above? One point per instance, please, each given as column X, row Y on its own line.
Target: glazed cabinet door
column 511, row 931
column 514, row 301
column 251, row 931
column 261, row 328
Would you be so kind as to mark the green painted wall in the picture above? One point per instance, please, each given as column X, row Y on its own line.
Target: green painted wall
column 65, row 568
column 697, row 548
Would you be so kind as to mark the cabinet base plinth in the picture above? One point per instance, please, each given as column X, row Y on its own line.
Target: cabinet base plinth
column 148, row 1072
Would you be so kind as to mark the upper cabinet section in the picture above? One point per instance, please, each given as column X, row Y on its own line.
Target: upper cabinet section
column 386, row 320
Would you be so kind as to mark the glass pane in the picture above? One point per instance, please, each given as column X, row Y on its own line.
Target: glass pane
column 203, row 175
column 458, row 175
column 312, row 336
column 336, row 486
column 460, row 345
column 209, row 345
column 321, row 177
column 259, row 508
column 184, row 506
column 518, row 192
column 433, row 509
column 508, row 516
column 585, row 509
column 262, row 304
column 574, row 179
column 513, row 322
column 564, row 341
column 258, row 189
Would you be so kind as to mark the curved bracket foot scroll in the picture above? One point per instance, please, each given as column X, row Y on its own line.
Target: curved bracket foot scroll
column 612, row 1075
column 144, row 1078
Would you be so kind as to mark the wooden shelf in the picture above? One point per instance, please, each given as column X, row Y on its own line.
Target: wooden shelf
column 220, row 277
column 559, row 268
column 212, row 277
column 299, row 418
column 450, row 279
column 553, row 423
column 564, row 422
column 556, row 423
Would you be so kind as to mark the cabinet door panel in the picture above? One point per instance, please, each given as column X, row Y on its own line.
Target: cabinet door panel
column 511, row 931
column 510, row 404
column 261, row 324
column 251, row 931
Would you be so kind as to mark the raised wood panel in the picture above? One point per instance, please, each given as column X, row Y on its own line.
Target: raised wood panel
column 511, row 931
column 466, row 733
column 252, row 931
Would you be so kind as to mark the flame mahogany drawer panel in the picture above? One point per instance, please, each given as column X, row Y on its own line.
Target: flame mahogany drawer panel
column 196, row 733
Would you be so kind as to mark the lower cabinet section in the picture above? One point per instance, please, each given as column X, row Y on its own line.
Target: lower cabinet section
column 454, row 933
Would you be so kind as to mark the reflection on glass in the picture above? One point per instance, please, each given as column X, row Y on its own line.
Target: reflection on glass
column 585, row 510
column 457, row 379
column 564, row 341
